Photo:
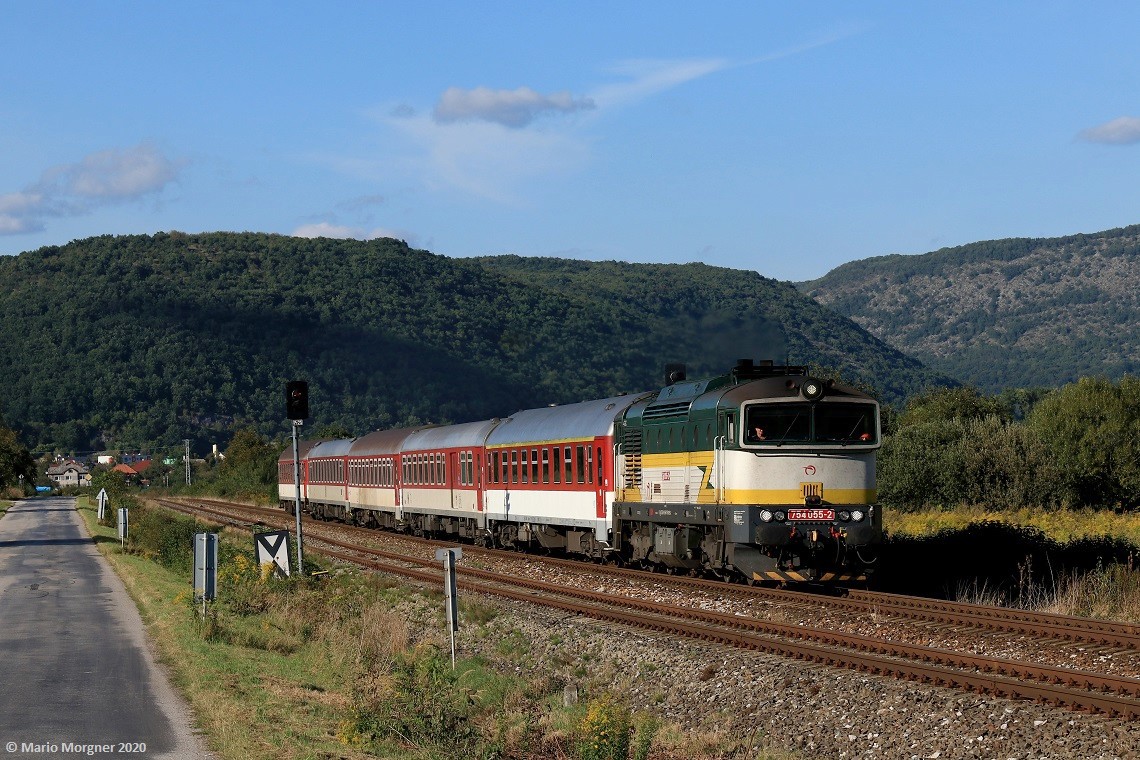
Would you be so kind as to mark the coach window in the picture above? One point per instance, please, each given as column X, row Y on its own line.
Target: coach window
column 525, row 466
column 514, row 465
column 581, row 464
column 601, row 479
column 589, row 464
column 493, row 468
column 545, row 465
column 568, row 465
column 534, row 465
column 557, row 466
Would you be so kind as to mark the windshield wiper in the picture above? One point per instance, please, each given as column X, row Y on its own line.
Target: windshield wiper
column 788, row 429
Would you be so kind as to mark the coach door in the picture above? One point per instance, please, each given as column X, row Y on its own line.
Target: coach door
column 477, row 475
column 454, row 478
column 601, row 476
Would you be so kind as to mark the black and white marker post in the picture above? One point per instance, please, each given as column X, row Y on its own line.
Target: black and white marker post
column 448, row 556
column 297, row 410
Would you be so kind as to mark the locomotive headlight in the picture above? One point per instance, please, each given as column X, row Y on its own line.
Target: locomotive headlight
column 857, row 515
column 779, row 516
column 844, row 515
column 812, row 389
column 765, row 515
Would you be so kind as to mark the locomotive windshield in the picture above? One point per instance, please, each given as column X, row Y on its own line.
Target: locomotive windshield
column 826, row 424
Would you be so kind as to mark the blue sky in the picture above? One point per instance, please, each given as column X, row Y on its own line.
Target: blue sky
column 786, row 138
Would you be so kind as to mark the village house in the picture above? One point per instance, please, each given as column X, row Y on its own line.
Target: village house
column 69, row 473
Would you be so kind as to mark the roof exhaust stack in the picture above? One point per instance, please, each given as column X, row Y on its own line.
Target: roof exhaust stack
column 674, row 373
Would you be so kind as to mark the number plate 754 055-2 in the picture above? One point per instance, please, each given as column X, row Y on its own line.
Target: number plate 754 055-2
column 811, row 514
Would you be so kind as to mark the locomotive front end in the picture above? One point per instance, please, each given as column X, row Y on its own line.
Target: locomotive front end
column 764, row 474
column 801, row 470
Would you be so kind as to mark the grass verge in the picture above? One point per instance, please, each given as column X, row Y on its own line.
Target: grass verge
column 354, row 665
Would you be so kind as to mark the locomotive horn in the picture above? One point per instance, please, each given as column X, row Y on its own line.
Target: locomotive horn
column 674, row 373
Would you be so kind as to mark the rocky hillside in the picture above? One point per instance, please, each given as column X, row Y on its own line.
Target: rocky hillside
column 1005, row 313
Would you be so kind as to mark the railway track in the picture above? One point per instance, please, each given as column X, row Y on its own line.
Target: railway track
column 1015, row 679
column 941, row 612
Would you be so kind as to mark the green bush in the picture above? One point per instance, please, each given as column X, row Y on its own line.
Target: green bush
column 165, row 538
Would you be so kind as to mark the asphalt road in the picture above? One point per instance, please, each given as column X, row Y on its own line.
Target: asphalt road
column 75, row 665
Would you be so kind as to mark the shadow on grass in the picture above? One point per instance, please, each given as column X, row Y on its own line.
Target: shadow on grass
column 1005, row 561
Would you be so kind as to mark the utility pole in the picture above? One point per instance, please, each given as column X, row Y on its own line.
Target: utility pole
column 297, row 496
column 186, row 441
column 297, row 410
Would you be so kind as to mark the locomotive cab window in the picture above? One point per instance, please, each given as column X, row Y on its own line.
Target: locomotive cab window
column 846, row 424
column 777, row 423
column 827, row 423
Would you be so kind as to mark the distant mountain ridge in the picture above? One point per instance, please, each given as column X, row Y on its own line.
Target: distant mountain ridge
column 144, row 340
column 1021, row 312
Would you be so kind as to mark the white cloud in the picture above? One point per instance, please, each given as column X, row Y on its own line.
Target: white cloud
column 120, row 174
column 649, row 77
column 99, row 179
column 18, row 212
column 511, row 108
column 484, row 141
column 488, row 159
column 1124, row 130
column 344, row 232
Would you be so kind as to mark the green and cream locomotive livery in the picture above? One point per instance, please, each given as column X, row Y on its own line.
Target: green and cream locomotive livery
column 764, row 473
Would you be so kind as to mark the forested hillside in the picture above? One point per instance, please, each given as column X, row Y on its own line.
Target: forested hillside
column 1005, row 313
column 145, row 340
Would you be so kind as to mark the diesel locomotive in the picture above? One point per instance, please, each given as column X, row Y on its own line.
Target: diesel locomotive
column 764, row 473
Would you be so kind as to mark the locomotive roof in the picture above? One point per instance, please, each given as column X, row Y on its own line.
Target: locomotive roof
column 452, row 436
column 554, row 423
column 337, row 448
column 778, row 388
column 380, row 442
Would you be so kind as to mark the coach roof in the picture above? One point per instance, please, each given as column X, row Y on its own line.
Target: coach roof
column 557, row 423
column 467, row 435
column 380, row 442
column 337, row 448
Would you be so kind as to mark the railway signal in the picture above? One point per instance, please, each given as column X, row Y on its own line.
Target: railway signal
column 297, row 400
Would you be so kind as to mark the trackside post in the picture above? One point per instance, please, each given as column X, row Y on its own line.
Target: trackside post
column 205, row 568
column 450, row 601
